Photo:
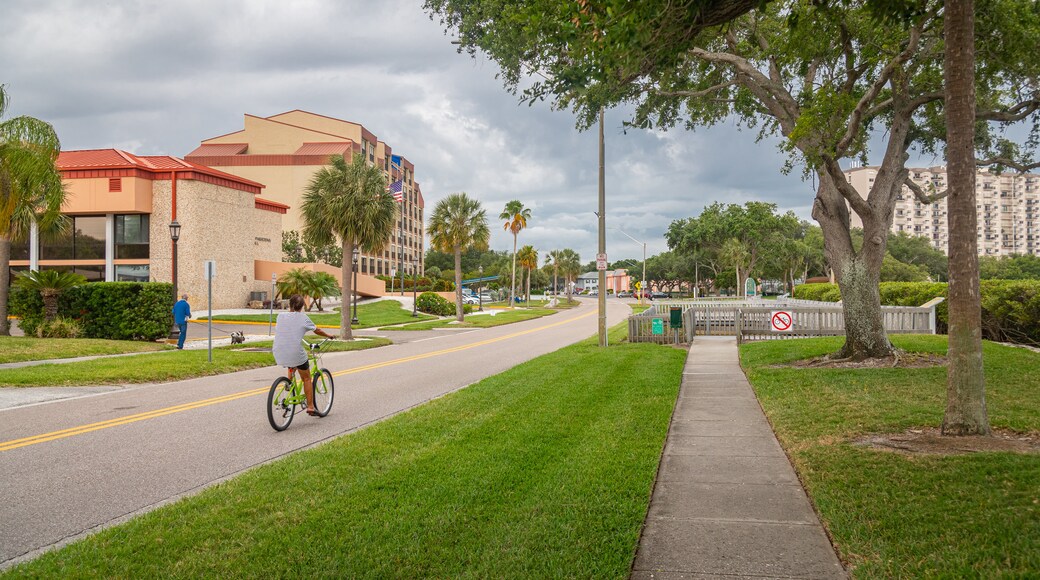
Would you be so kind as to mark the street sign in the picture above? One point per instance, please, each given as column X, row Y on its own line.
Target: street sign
column 601, row 261
column 274, row 278
column 657, row 326
column 210, row 269
column 781, row 321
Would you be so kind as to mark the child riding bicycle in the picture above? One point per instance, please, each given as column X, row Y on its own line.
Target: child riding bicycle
column 288, row 348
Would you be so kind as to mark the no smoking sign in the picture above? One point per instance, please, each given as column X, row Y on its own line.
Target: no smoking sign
column 782, row 321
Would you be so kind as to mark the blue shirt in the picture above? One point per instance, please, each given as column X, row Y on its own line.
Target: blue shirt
column 181, row 312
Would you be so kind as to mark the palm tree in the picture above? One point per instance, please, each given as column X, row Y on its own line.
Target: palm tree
column 552, row 259
column 31, row 190
column 458, row 222
column 348, row 201
column 528, row 258
column 324, row 284
column 50, row 284
column 570, row 266
column 516, row 216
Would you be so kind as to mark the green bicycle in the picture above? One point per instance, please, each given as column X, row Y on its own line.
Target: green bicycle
column 287, row 394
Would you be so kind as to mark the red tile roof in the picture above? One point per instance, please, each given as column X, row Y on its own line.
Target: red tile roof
column 329, row 148
column 79, row 164
column 219, row 149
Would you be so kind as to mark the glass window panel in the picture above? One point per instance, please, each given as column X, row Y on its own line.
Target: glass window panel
column 131, row 273
column 132, row 237
column 20, row 250
column 89, row 238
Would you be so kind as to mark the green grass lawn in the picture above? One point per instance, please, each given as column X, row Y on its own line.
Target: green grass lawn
column 480, row 320
column 898, row 516
column 370, row 315
column 542, row 471
column 158, row 367
column 24, row 348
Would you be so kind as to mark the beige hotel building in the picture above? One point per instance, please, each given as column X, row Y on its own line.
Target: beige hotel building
column 284, row 152
column 1008, row 208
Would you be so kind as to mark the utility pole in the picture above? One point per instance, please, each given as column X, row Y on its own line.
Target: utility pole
column 602, row 238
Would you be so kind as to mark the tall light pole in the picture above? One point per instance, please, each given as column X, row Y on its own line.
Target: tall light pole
column 480, row 288
column 354, row 260
column 415, row 281
column 175, row 234
column 602, row 237
column 643, row 283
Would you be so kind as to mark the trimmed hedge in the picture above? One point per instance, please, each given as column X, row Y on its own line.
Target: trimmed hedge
column 112, row 310
column 1010, row 308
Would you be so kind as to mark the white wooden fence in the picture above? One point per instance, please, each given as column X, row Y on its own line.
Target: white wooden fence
column 753, row 320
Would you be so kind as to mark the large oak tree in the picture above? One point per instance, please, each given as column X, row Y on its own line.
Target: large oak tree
column 825, row 76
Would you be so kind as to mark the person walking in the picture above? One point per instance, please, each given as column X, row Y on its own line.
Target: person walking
column 181, row 314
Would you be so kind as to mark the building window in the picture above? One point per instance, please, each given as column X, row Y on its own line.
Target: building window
column 86, row 241
column 132, row 237
column 131, row 273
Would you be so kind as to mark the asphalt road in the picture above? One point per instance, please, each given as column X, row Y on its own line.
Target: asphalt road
column 72, row 466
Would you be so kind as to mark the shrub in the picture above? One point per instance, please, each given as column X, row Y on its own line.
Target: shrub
column 121, row 310
column 27, row 305
column 431, row 303
column 60, row 327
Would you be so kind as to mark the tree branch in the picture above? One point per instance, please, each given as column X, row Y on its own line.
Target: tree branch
column 1016, row 113
column 859, row 205
column 776, row 98
column 886, row 73
column 695, row 94
column 1020, row 167
column 924, row 197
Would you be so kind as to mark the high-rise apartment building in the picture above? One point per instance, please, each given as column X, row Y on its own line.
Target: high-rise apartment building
column 284, row 152
column 1008, row 208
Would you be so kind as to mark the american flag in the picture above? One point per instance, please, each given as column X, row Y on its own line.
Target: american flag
column 394, row 189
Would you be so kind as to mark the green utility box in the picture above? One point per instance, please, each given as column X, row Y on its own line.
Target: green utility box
column 676, row 316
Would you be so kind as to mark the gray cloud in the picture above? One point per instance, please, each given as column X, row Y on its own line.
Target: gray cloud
column 156, row 78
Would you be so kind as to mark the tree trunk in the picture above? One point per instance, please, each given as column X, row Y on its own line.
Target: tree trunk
column 965, row 381
column 50, row 304
column 345, row 271
column 5, row 284
column 512, row 281
column 528, row 293
column 459, row 314
column 858, row 274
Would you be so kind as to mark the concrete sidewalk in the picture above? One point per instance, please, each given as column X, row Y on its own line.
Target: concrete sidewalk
column 727, row 501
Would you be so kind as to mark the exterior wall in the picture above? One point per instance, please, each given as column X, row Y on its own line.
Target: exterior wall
column 219, row 224
column 91, row 196
column 1008, row 207
column 366, row 285
column 284, row 184
column 285, row 181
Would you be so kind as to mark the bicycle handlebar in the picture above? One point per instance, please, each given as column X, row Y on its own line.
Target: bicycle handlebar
column 315, row 345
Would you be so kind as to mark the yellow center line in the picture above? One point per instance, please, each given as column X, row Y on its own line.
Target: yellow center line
column 126, row 420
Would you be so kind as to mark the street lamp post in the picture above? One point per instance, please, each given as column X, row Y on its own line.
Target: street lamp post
column 415, row 281
column 175, row 234
column 642, row 285
column 480, row 288
column 354, row 260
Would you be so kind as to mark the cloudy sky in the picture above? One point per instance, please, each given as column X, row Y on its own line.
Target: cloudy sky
column 155, row 78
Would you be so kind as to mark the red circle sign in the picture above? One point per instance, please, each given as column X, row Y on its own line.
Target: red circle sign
column 782, row 321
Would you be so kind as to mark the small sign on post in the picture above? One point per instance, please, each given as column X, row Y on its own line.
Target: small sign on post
column 601, row 261
column 657, row 326
column 749, row 287
column 781, row 321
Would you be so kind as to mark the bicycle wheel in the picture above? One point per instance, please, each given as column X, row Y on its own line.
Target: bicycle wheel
column 324, row 390
column 279, row 412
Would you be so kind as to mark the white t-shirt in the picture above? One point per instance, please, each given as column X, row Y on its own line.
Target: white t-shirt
column 288, row 350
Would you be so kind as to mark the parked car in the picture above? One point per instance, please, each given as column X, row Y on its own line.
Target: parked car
column 624, row 294
column 485, row 297
column 659, row 295
column 470, row 299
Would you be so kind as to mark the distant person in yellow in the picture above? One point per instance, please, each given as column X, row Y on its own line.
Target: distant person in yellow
column 288, row 345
